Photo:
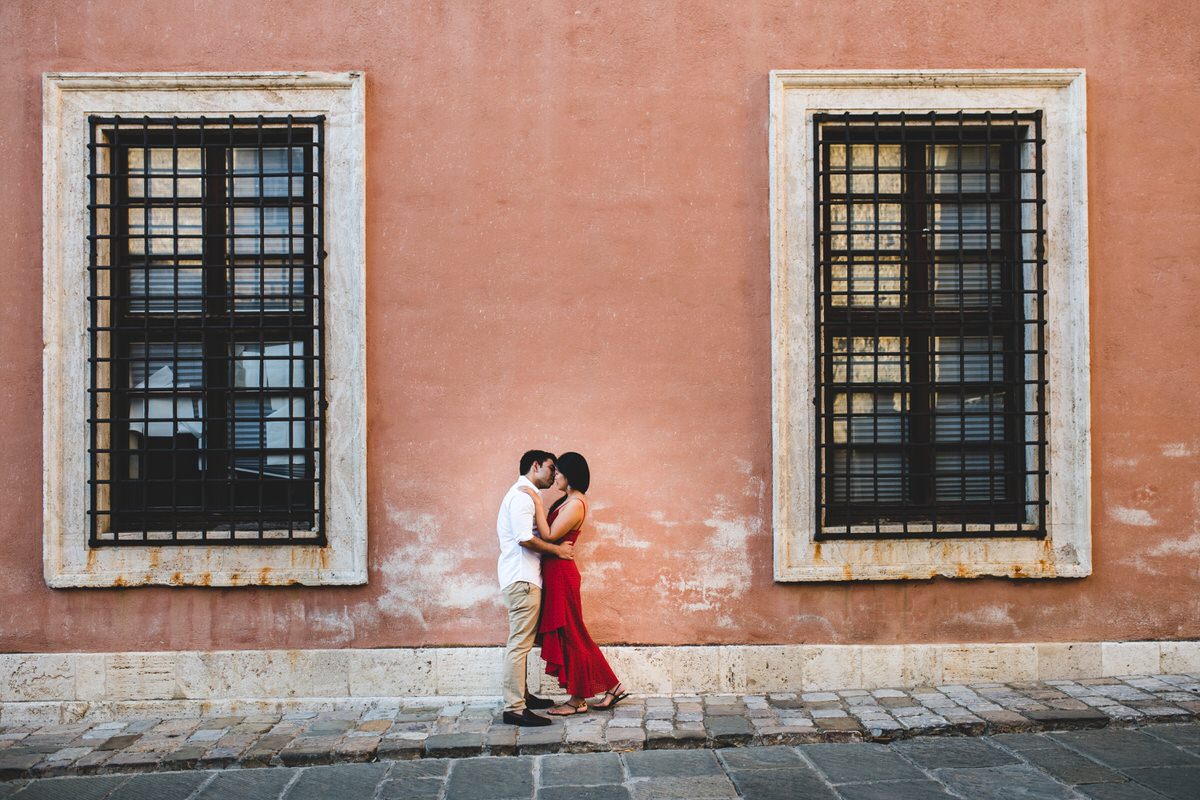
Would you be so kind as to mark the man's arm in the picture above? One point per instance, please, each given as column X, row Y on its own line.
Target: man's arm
column 565, row 551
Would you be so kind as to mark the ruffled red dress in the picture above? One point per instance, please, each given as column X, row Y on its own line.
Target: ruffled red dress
column 567, row 647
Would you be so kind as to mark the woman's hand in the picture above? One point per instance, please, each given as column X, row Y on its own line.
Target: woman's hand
column 537, row 496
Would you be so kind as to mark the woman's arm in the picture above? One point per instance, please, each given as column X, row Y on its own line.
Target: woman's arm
column 537, row 543
column 539, row 513
column 570, row 514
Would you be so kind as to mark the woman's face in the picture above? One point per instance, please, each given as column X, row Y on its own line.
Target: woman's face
column 560, row 482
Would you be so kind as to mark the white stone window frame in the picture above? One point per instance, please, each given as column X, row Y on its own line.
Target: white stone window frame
column 796, row 95
column 67, row 101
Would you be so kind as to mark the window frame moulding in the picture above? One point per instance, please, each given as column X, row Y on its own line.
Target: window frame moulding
column 68, row 99
column 795, row 95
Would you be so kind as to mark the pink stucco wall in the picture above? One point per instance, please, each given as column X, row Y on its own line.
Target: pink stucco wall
column 568, row 247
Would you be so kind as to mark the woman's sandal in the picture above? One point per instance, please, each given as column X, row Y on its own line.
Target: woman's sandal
column 617, row 696
column 565, row 709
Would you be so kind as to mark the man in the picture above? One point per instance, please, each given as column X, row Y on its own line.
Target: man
column 520, row 570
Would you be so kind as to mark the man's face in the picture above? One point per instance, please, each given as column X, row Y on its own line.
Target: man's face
column 543, row 474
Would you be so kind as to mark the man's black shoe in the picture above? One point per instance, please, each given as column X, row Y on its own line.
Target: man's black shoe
column 538, row 702
column 525, row 718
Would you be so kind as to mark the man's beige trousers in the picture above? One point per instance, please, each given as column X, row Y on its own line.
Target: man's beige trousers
column 524, row 600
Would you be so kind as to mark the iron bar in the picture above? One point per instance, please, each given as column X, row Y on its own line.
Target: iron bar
column 930, row 394
column 206, row 395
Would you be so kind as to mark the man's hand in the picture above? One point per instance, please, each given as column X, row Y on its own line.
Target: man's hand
column 565, row 551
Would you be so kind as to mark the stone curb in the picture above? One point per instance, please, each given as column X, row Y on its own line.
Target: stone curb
column 402, row 729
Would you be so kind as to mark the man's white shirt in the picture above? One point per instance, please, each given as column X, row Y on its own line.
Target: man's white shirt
column 514, row 524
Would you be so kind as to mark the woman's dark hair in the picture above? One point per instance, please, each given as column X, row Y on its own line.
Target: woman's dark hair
column 574, row 468
column 532, row 457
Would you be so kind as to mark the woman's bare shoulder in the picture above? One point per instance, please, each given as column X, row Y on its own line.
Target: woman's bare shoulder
column 574, row 507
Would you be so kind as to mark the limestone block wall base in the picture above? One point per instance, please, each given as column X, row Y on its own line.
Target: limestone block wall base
column 62, row 687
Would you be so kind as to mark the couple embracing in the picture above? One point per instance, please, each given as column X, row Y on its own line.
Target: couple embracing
column 540, row 584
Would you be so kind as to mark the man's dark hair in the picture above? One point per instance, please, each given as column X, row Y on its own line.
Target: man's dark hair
column 532, row 457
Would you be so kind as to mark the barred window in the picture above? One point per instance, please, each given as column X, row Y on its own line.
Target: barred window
column 930, row 302
column 206, row 330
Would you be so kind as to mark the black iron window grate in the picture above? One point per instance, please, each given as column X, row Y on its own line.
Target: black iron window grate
column 206, row 283
column 930, row 307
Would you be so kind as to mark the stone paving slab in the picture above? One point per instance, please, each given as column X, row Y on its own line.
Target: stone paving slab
column 983, row 768
column 399, row 729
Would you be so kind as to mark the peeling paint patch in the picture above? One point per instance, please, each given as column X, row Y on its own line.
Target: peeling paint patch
column 1177, row 547
column 1164, row 557
column 1123, row 462
column 1177, row 450
column 601, row 577
column 618, row 534
column 825, row 624
column 1157, row 559
column 336, row 627
column 756, row 487
column 595, row 573
column 426, row 573
column 988, row 615
column 661, row 518
column 1139, row 517
column 720, row 568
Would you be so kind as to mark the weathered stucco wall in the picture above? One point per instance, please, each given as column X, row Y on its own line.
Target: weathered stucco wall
column 568, row 247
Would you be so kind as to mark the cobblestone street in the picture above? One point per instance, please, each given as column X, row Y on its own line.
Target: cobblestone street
column 400, row 729
column 1154, row 761
column 1045, row 734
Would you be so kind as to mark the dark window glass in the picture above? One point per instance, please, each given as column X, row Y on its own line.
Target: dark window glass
column 930, row 306
column 206, row 331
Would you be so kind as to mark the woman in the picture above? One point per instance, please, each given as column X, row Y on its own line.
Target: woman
column 567, row 648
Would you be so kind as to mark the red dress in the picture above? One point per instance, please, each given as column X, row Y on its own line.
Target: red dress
column 567, row 648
